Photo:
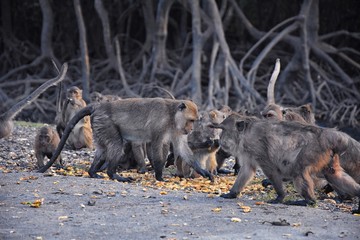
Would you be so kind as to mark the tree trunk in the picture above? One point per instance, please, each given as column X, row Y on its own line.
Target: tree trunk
column 100, row 9
column 84, row 51
column 197, row 49
column 47, row 29
column 159, row 47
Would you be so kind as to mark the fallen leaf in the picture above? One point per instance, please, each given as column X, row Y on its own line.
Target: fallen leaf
column 163, row 193
column 62, row 218
column 245, row 209
column 234, row 219
column 218, row 209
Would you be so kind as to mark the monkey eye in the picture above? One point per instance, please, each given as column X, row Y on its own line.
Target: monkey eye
column 268, row 115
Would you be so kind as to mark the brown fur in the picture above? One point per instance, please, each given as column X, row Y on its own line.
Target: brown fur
column 46, row 142
column 96, row 97
column 283, row 150
column 81, row 135
column 141, row 120
column 204, row 143
column 6, row 123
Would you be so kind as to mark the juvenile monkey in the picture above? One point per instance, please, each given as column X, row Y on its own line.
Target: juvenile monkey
column 81, row 135
column 204, row 143
column 6, row 119
column 46, row 142
column 142, row 120
column 284, row 151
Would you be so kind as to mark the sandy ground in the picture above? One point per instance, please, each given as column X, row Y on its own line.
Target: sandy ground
column 84, row 208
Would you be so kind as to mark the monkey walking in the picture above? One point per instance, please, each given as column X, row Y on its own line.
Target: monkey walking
column 6, row 119
column 285, row 151
column 46, row 142
column 81, row 135
column 159, row 121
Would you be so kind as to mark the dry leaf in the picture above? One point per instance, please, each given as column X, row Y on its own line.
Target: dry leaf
column 163, row 193
column 259, row 203
column 245, row 209
column 62, row 218
column 28, row 178
column 218, row 209
column 234, row 219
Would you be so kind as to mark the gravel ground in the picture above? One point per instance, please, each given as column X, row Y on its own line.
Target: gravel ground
column 54, row 206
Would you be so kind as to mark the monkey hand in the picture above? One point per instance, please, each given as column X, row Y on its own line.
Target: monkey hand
column 202, row 172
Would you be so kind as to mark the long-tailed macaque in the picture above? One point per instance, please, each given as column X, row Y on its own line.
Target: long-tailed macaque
column 81, row 135
column 46, row 142
column 141, row 120
column 6, row 119
column 204, row 143
column 285, row 151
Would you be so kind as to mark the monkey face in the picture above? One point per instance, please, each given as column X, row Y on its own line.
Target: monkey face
column 96, row 97
column 185, row 117
column 272, row 111
column 74, row 93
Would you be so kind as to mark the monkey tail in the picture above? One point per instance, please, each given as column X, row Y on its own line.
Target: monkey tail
column 86, row 111
column 271, row 86
column 26, row 101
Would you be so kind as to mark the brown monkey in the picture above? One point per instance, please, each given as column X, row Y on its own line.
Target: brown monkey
column 204, row 143
column 159, row 121
column 284, row 151
column 81, row 135
column 6, row 123
column 46, row 142
column 336, row 176
column 96, row 97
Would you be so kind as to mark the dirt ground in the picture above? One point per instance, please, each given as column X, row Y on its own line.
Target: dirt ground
column 78, row 207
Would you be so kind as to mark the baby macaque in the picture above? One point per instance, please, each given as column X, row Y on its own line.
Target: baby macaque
column 46, row 142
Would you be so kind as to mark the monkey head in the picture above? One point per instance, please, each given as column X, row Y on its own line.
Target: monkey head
column 96, row 97
column 303, row 113
column 232, row 128
column 45, row 135
column 185, row 116
column 272, row 111
column 73, row 94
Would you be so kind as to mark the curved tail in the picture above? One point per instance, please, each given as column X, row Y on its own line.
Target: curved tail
column 271, row 86
column 86, row 111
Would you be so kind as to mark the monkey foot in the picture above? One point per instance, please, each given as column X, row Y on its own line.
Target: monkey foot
column 276, row 200
column 301, row 203
column 122, row 179
column 265, row 183
column 95, row 175
column 229, row 195
column 224, row 171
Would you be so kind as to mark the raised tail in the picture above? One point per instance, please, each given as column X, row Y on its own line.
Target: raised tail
column 86, row 111
column 271, row 86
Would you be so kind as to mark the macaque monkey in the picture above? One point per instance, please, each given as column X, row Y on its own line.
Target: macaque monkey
column 204, row 143
column 6, row 119
column 81, row 135
column 285, row 151
column 141, row 120
column 46, row 142
column 96, row 97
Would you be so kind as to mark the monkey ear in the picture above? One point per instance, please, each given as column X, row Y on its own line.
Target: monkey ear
column 306, row 108
column 240, row 126
column 182, row 106
column 212, row 115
